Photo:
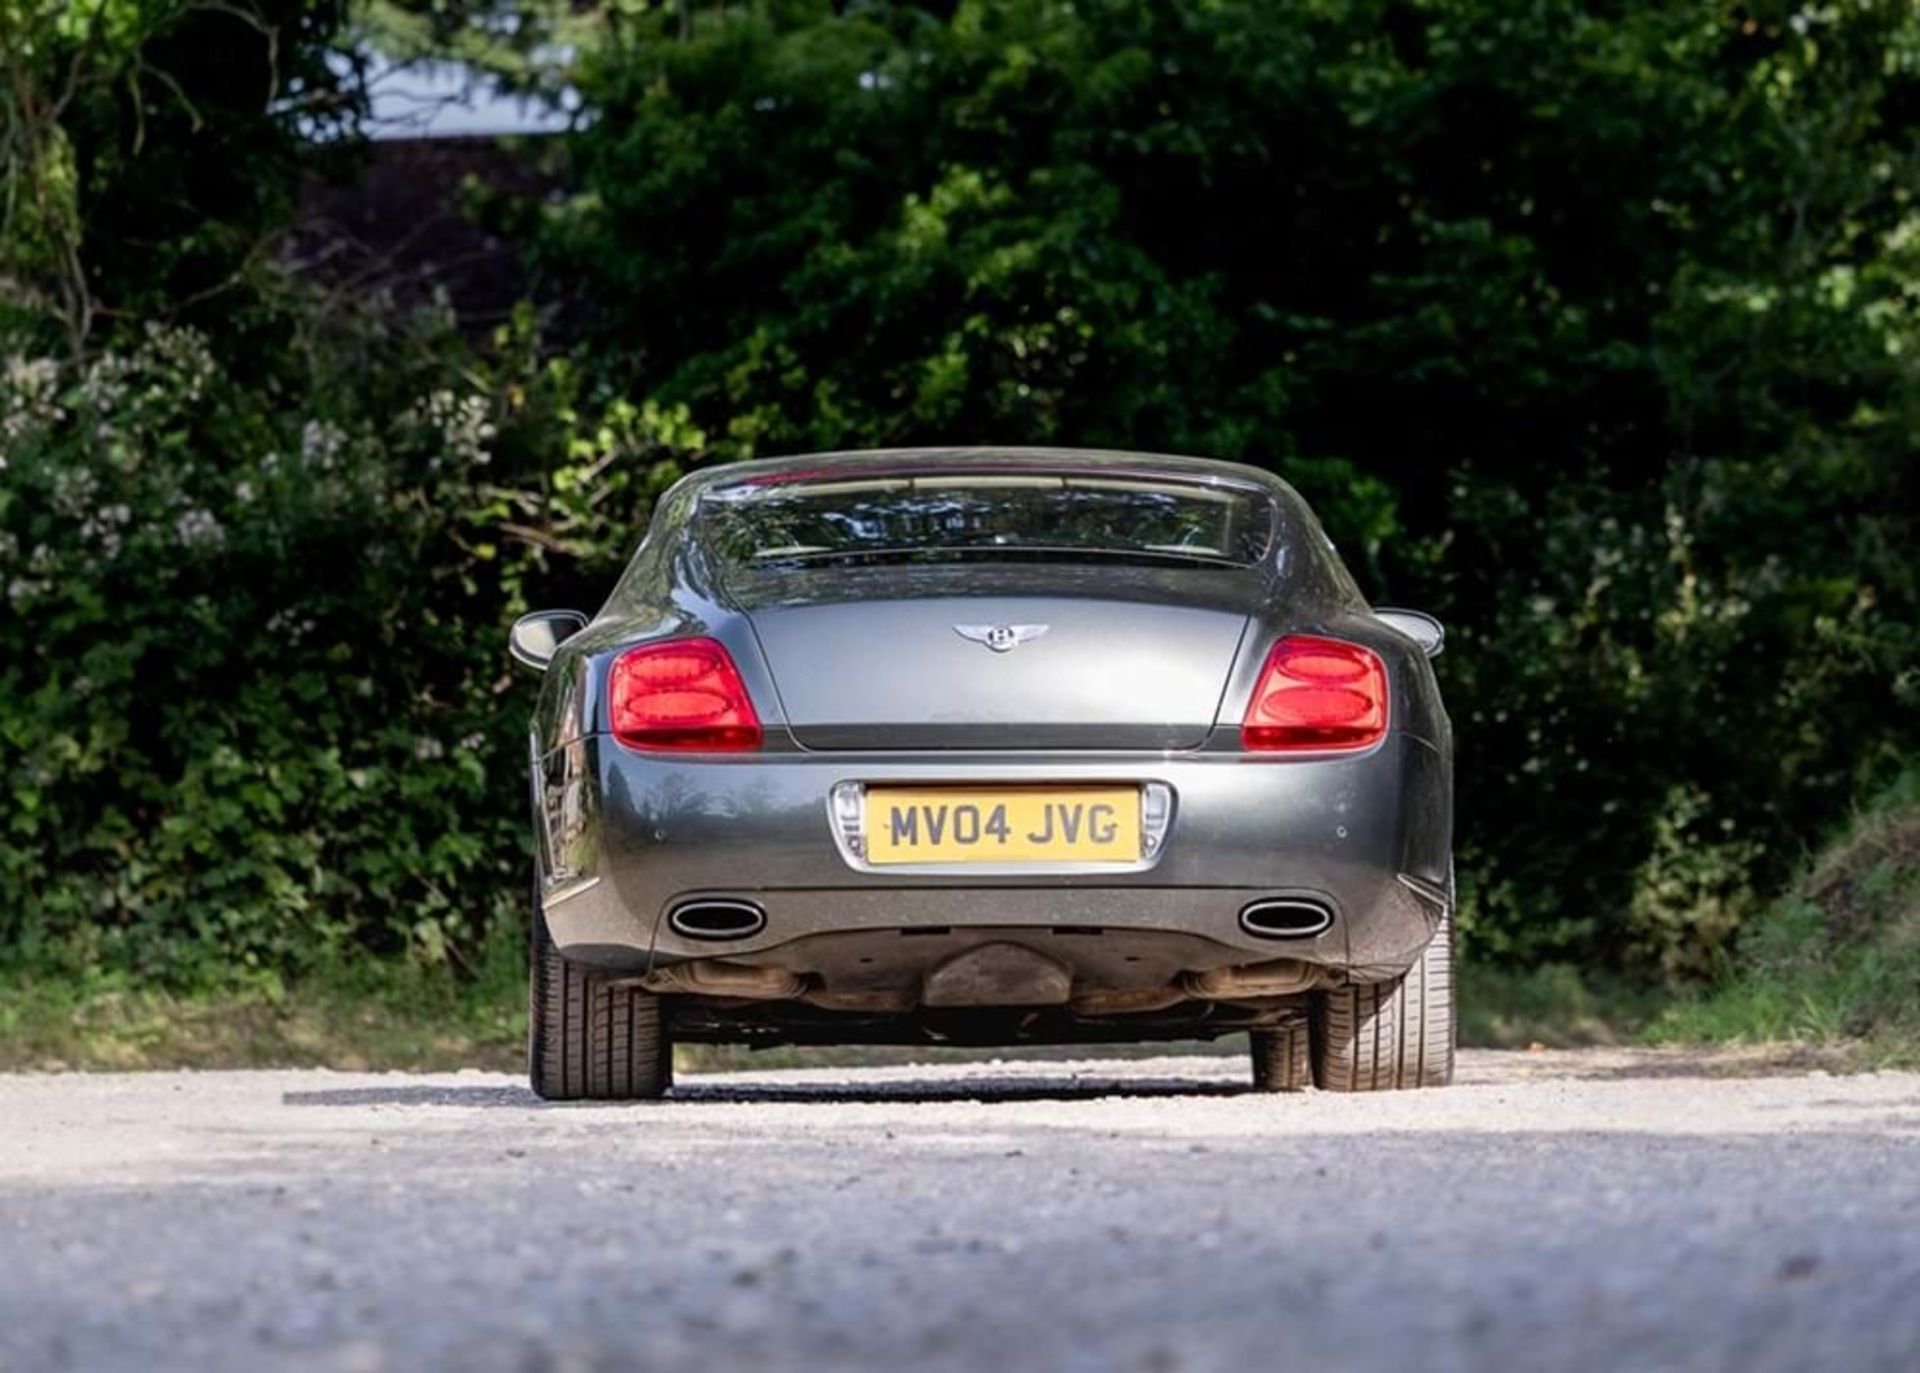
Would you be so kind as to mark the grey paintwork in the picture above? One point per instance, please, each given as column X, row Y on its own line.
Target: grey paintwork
column 858, row 675
column 876, row 663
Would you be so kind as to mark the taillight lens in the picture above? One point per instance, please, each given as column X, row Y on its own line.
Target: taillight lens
column 685, row 695
column 1315, row 695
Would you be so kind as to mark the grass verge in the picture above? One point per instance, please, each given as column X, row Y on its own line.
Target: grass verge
column 1836, row 961
column 369, row 1014
column 1557, row 1006
column 401, row 1016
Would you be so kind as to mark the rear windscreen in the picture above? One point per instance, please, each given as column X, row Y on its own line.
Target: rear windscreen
column 930, row 517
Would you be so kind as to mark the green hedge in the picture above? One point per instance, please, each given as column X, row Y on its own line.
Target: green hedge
column 1590, row 327
column 254, row 695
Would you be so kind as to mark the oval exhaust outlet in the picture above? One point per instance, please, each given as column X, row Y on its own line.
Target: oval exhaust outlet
column 717, row 919
column 1286, row 919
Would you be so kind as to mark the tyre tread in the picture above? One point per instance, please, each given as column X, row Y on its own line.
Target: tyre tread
column 1390, row 1036
column 589, row 1038
column 1281, row 1062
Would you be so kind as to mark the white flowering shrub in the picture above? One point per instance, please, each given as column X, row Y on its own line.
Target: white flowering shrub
column 253, row 695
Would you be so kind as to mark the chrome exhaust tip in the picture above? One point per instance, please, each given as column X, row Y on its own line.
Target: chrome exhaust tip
column 1286, row 918
column 717, row 919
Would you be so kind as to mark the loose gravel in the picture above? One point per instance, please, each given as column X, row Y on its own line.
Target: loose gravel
column 1576, row 1210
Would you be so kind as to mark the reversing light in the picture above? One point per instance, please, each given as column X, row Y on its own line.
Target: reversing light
column 1317, row 695
column 684, row 695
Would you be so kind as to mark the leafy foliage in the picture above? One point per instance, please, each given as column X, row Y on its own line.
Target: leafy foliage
column 1835, row 960
column 149, row 150
column 1590, row 326
column 254, row 708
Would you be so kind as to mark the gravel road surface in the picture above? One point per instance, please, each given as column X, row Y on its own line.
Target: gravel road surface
column 1579, row 1210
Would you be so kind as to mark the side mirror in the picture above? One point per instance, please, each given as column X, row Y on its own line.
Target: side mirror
column 1418, row 626
column 535, row 637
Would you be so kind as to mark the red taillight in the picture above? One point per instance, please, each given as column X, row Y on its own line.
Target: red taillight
column 1317, row 694
column 685, row 695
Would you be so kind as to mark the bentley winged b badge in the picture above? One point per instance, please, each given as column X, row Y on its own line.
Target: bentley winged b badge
column 1000, row 638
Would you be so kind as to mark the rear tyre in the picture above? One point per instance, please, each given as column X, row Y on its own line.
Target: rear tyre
column 1280, row 1061
column 589, row 1038
column 1390, row 1036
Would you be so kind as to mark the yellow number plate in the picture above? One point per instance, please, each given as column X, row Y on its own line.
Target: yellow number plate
column 1003, row 825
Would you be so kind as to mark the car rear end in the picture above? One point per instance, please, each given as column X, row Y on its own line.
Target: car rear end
column 1037, row 747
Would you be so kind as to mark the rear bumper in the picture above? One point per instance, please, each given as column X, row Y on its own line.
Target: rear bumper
column 625, row 838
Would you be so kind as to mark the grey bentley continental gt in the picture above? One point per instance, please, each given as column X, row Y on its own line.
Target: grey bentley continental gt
column 989, row 746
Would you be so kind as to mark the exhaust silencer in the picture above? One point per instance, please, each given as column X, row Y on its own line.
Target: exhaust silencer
column 716, row 977
column 1282, row 977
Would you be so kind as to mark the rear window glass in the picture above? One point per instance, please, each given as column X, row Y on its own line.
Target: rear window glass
column 930, row 517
